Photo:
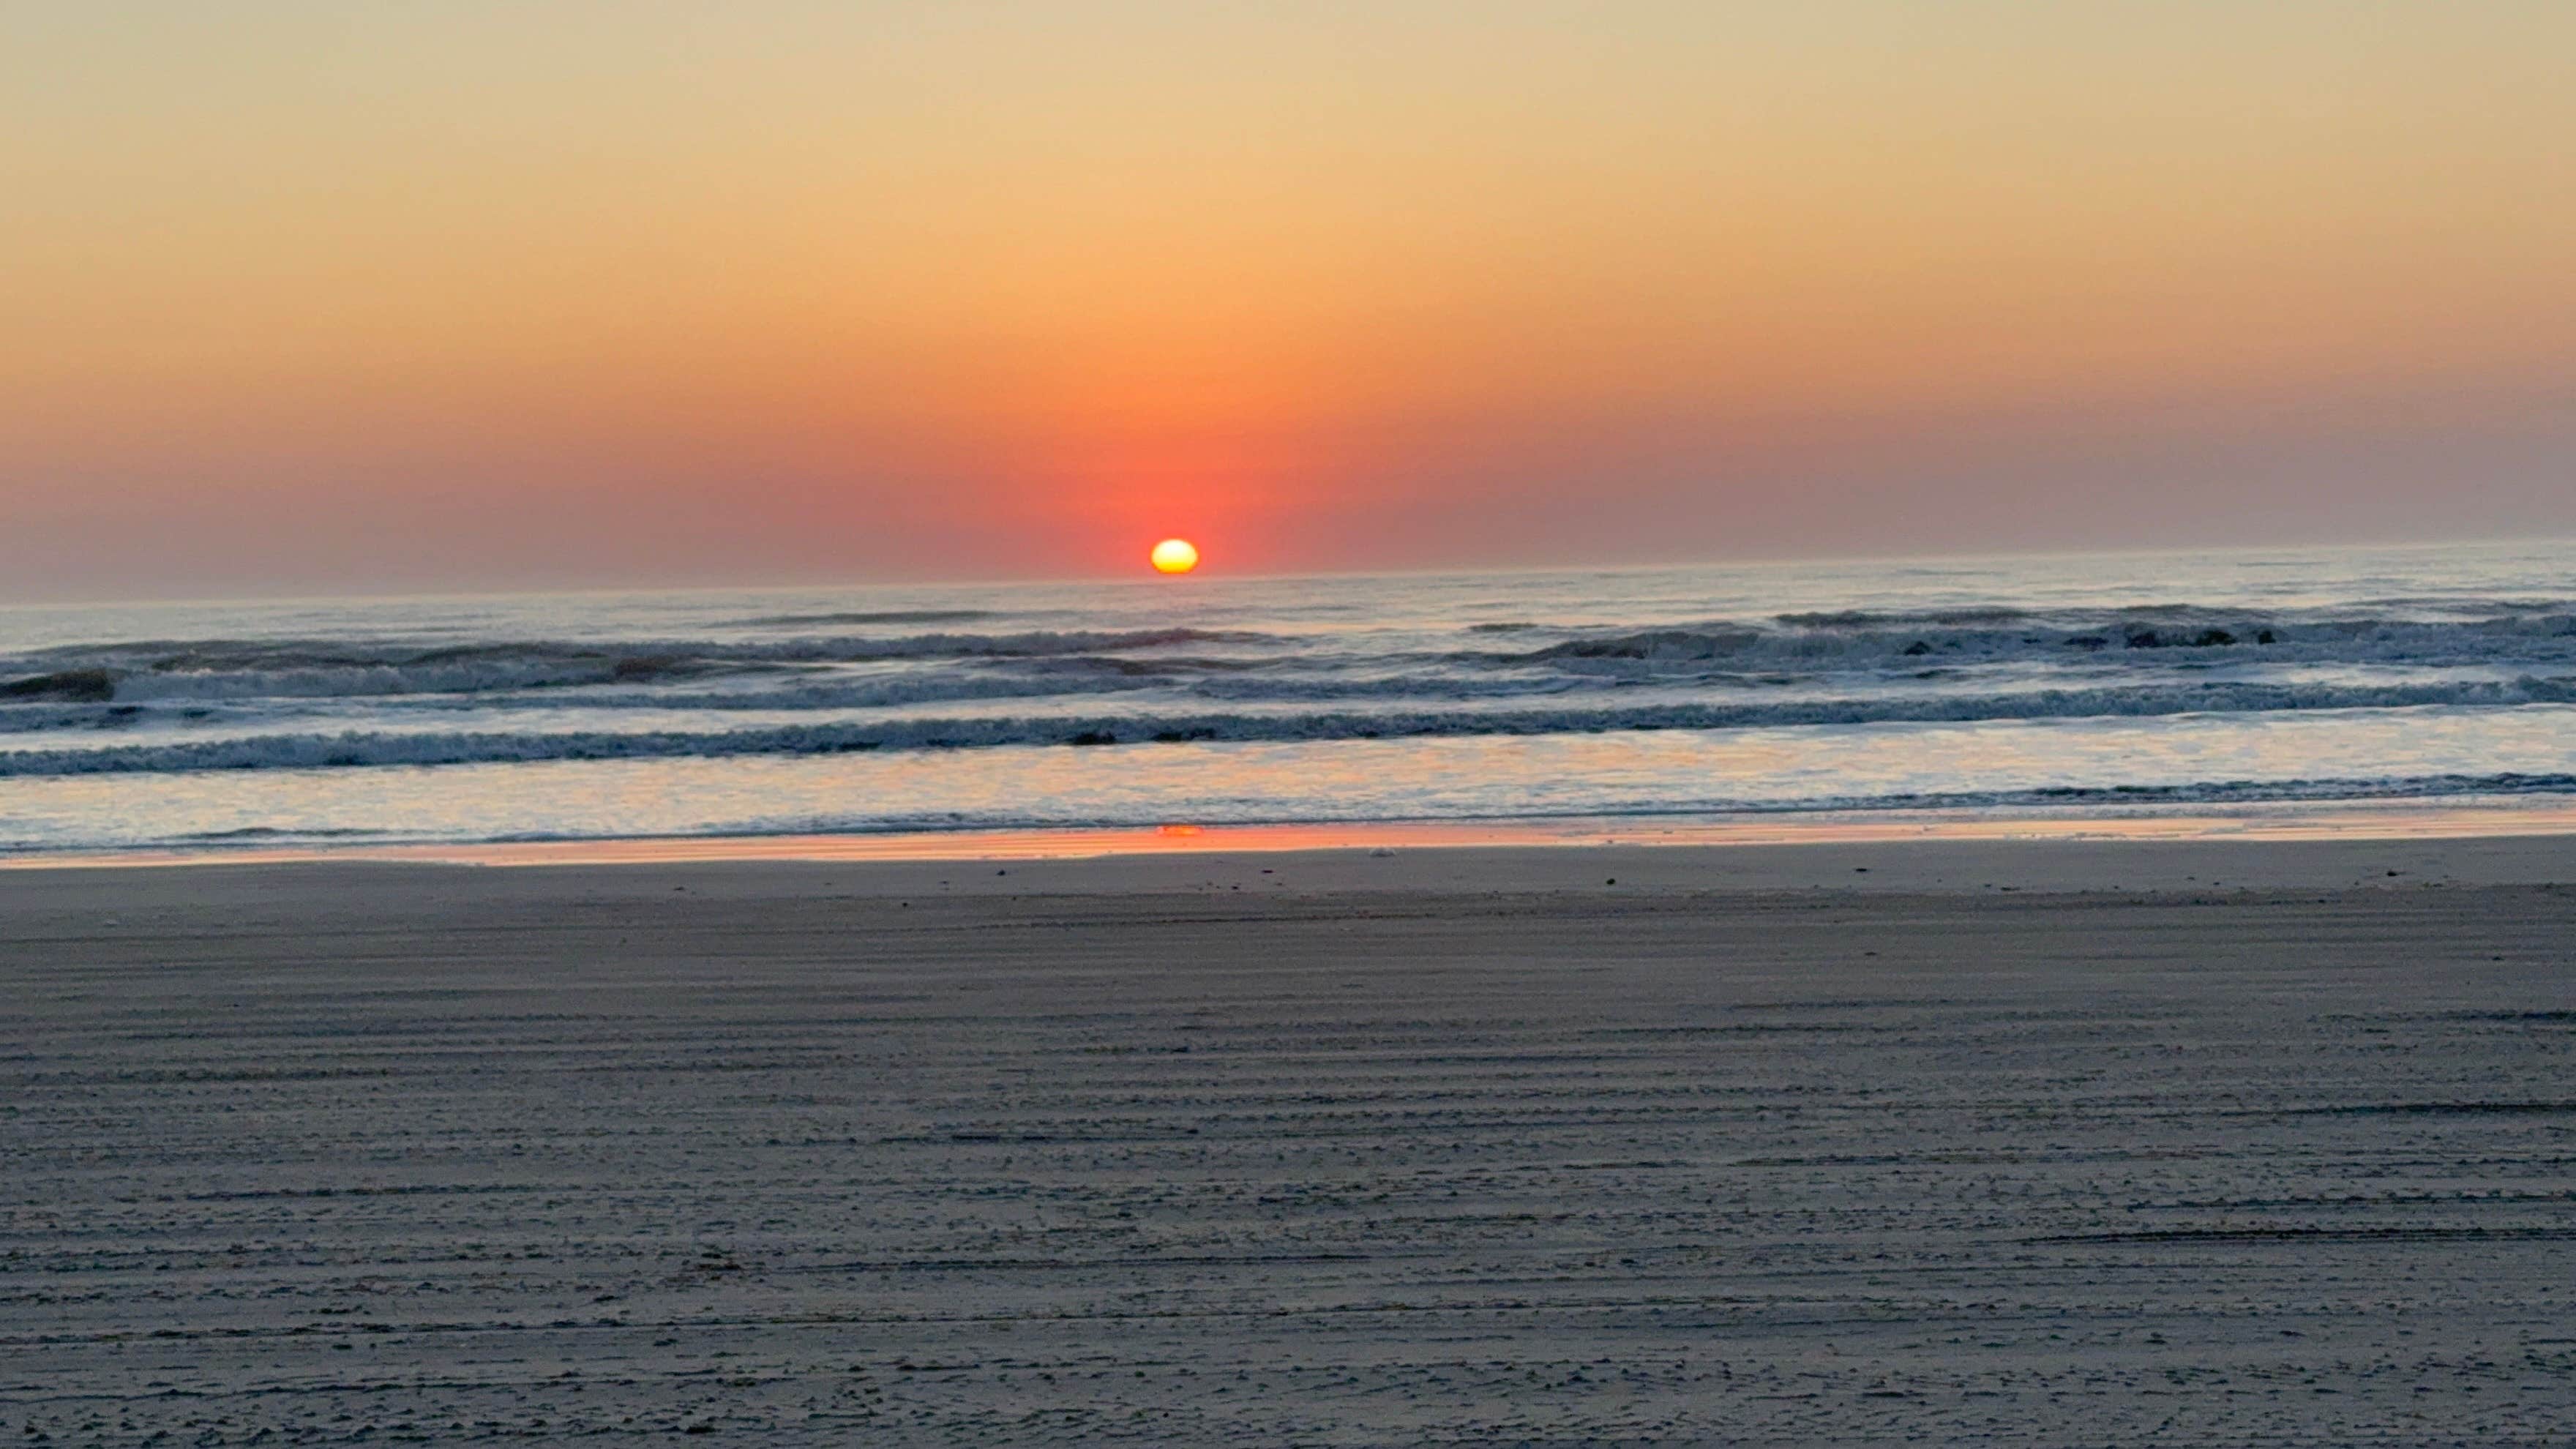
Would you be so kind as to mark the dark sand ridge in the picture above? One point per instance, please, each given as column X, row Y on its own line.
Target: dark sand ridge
column 2055, row 1143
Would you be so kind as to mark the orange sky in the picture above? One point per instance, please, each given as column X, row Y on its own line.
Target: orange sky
column 313, row 296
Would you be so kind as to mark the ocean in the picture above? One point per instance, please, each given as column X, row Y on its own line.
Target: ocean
column 2049, row 686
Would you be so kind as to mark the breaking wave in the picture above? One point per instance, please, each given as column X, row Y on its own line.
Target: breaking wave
column 304, row 669
column 2142, row 634
column 869, row 616
column 1464, row 664
column 359, row 748
column 2174, row 682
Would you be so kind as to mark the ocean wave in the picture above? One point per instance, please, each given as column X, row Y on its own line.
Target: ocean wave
column 1870, row 619
column 62, row 684
column 1851, row 651
column 1863, row 641
column 1075, row 678
column 39, row 719
column 250, row 669
column 2472, row 606
column 352, row 749
column 870, row 616
column 263, row 834
column 2141, row 798
column 1652, row 644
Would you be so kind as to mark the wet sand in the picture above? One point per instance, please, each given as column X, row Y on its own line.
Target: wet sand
column 2050, row 1143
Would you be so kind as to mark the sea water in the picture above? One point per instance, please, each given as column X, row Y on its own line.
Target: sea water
column 2110, row 683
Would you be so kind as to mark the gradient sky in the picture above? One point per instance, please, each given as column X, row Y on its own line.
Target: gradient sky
column 300, row 297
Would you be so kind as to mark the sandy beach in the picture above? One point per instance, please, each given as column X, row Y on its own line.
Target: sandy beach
column 2053, row 1142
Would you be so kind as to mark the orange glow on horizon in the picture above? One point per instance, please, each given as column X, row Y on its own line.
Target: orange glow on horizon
column 500, row 297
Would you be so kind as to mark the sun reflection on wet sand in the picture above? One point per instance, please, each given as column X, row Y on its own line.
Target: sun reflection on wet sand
column 2375, row 821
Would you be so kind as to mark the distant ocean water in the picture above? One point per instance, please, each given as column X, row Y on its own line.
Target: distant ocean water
column 2113, row 682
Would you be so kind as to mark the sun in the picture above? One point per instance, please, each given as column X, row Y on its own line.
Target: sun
column 1175, row 556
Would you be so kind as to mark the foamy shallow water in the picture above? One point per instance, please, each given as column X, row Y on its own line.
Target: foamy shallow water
column 2063, row 684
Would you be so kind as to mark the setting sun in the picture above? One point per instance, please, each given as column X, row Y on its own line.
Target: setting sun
column 1175, row 556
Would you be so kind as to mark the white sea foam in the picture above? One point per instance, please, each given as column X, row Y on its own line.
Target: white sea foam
column 1459, row 665
column 358, row 748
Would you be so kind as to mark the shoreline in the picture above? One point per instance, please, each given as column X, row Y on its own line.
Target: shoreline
column 2501, row 818
column 85, row 898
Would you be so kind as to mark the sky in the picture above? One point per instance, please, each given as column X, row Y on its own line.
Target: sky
column 313, row 297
